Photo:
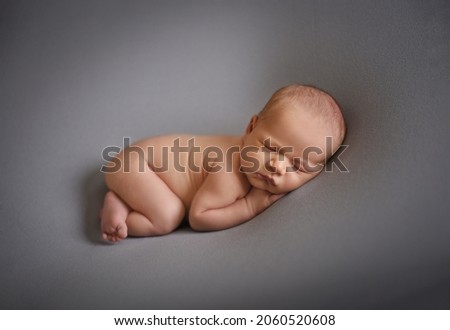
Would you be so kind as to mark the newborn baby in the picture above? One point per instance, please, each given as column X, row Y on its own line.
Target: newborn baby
column 218, row 182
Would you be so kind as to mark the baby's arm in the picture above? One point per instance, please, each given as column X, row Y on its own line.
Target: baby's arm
column 221, row 202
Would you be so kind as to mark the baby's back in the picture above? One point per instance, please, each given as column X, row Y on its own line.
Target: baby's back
column 183, row 161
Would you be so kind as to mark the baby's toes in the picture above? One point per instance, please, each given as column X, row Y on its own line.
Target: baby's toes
column 108, row 234
column 108, row 237
column 122, row 231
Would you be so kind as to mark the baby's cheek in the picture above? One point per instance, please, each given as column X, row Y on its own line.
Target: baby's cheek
column 294, row 181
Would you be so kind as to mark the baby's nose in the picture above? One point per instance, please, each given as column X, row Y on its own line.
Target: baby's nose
column 278, row 165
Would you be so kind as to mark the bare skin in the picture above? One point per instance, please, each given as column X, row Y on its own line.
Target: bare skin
column 114, row 227
column 156, row 186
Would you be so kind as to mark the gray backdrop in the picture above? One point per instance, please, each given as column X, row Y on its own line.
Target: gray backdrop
column 77, row 76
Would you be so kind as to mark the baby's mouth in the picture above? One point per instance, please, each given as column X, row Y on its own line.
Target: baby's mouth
column 266, row 178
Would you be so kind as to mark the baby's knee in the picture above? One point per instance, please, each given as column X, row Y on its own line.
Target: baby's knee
column 163, row 230
column 171, row 218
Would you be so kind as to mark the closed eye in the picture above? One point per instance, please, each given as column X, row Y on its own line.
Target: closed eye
column 297, row 165
column 299, row 169
column 269, row 147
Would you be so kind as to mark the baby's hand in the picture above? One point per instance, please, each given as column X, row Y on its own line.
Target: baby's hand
column 258, row 199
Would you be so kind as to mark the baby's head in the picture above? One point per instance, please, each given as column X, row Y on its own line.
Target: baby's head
column 299, row 128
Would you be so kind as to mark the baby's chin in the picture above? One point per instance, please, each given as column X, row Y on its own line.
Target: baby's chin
column 277, row 190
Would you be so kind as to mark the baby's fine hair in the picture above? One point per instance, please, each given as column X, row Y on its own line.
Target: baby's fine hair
column 311, row 99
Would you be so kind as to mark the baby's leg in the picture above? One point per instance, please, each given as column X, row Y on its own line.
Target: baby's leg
column 153, row 208
column 113, row 216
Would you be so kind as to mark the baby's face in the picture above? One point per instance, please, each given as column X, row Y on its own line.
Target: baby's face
column 283, row 151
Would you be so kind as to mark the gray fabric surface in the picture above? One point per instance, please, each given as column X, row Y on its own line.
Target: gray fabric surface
column 77, row 76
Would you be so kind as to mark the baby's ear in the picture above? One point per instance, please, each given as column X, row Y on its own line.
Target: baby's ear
column 252, row 124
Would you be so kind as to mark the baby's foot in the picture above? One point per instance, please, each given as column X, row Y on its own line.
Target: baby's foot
column 113, row 216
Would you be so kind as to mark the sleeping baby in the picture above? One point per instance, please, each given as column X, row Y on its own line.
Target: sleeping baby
column 217, row 182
